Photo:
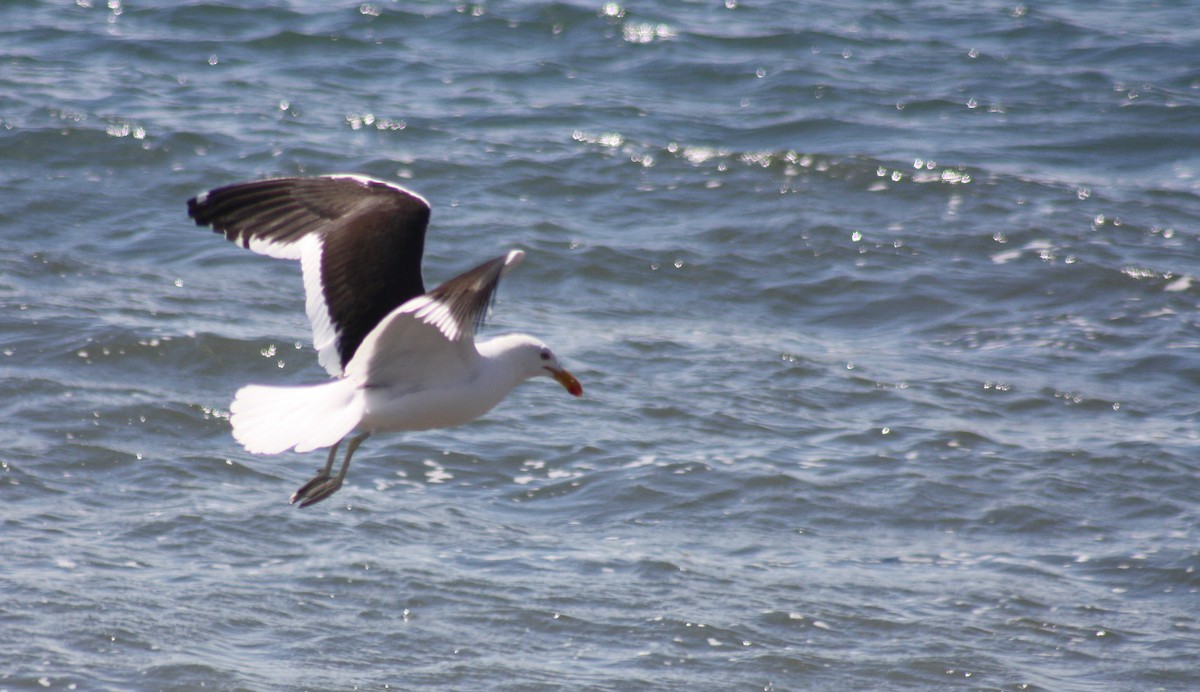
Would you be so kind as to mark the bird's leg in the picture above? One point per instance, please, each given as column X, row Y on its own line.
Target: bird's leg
column 354, row 443
column 323, row 485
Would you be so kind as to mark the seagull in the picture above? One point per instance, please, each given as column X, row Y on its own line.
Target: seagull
column 401, row 358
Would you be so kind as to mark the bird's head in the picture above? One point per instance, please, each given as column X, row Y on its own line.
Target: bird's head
column 532, row 358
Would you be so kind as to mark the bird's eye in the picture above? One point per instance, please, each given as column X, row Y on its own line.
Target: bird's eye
column 545, row 354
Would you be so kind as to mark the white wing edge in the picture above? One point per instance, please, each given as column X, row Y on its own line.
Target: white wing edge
column 325, row 337
column 289, row 251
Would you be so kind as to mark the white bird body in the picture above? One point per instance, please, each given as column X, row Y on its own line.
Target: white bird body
column 269, row 420
column 404, row 359
column 462, row 396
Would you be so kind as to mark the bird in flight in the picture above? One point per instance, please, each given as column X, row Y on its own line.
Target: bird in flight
column 401, row 358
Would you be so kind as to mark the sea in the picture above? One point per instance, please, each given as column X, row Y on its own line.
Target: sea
column 887, row 316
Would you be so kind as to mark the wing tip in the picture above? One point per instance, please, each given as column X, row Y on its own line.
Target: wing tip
column 512, row 259
column 195, row 208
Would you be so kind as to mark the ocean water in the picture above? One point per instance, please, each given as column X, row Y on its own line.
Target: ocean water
column 886, row 316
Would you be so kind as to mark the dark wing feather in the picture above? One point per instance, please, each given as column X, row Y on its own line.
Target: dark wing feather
column 459, row 306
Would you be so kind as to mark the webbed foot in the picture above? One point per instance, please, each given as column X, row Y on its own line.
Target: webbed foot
column 320, row 487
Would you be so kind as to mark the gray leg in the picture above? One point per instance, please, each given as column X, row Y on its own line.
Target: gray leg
column 323, row 485
column 329, row 462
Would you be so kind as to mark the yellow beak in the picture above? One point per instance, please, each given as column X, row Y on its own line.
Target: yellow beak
column 568, row 381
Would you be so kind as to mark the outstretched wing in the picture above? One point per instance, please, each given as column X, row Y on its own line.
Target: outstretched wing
column 432, row 334
column 457, row 308
column 359, row 242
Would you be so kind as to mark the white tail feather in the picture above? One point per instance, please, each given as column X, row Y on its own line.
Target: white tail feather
column 269, row 420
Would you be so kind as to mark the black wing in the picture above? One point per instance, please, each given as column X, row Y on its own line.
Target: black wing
column 360, row 240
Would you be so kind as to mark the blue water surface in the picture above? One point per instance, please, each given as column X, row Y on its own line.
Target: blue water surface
column 886, row 315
